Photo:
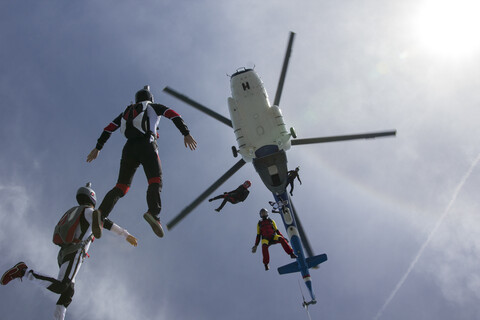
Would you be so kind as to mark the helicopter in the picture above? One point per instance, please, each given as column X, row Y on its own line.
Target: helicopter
column 263, row 139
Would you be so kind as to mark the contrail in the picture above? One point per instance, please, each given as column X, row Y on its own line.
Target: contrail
column 430, row 236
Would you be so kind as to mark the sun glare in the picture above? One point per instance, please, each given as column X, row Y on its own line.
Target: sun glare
column 449, row 28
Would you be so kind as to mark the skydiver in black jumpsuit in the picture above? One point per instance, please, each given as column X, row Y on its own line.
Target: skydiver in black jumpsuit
column 235, row 196
column 292, row 174
column 139, row 124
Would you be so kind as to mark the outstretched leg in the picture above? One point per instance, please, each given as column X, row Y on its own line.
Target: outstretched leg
column 153, row 171
column 63, row 284
column 111, row 199
column 128, row 166
column 291, row 188
column 266, row 255
column 286, row 247
column 222, row 205
column 64, row 287
column 217, row 197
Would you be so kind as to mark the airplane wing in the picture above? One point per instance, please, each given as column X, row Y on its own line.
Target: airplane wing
column 205, row 194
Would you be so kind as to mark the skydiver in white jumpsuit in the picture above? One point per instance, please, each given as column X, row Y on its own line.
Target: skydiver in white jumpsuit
column 70, row 256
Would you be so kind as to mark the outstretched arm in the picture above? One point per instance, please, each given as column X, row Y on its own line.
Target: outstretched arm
column 109, row 225
column 106, row 133
column 93, row 155
column 171, row 114
column 190, row 142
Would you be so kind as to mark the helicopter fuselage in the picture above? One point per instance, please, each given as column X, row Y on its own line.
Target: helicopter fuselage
column 259, row 128
column 262, row 139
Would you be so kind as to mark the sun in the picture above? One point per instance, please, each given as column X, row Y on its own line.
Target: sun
column 448, row 28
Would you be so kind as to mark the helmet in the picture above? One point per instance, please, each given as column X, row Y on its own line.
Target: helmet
column 86, row 195
column 143, row 95
column 263, row 213
column 247, row 184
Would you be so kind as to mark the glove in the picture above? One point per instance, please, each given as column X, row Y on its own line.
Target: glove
column 132, row 240
column 254, row 249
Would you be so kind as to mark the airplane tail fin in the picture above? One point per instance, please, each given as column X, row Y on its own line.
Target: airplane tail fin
column 311, row 263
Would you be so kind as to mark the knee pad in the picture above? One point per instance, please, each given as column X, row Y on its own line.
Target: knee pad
column 122, row 188
column 156, row 180
column 59, row 286
column 67, row 295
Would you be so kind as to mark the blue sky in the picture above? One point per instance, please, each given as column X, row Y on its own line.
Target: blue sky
column 68, row 68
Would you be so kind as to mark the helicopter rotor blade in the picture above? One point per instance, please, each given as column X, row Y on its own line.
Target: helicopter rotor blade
column 205, row 194
column 344, row 137
column 301, row 231
column 281, row 81
column 198, row 106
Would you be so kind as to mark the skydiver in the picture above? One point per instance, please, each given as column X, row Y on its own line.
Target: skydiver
column 139, row 124
column 276, row 207
column 235, row 196
column 267, row 231
column 71, row 255
column 292, row 174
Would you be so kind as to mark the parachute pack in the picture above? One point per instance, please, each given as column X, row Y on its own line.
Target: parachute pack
column 64, row 232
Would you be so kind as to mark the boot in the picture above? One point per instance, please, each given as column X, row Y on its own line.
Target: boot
column 17, row 271
column 154, row 222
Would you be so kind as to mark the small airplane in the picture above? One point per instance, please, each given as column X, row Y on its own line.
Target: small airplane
column 262, row 139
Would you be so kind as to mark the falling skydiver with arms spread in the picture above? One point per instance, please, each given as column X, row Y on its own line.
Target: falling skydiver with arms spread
column 139, row 124
column 74, row 235
column 235, row 196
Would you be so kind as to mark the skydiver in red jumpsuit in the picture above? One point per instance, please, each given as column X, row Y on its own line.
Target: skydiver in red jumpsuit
column 267, row 231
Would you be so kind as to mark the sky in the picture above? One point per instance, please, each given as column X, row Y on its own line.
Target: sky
column 397, row 217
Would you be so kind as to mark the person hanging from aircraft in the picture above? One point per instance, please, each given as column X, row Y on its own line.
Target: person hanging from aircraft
column 268, row 232
column 292, row 174
column 139, row 123
column 235, row 196
column 73, row 234
column 276, row 206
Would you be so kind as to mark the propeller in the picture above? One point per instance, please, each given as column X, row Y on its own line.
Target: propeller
column 205, row 194
column 344, row 137
column 198, row 106
column 281, row 81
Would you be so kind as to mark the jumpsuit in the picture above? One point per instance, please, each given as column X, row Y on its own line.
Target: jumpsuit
column 139, row 124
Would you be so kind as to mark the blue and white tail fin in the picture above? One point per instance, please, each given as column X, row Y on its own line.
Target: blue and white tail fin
column 294, row 266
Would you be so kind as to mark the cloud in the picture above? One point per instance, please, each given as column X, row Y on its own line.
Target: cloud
column 22, row 237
